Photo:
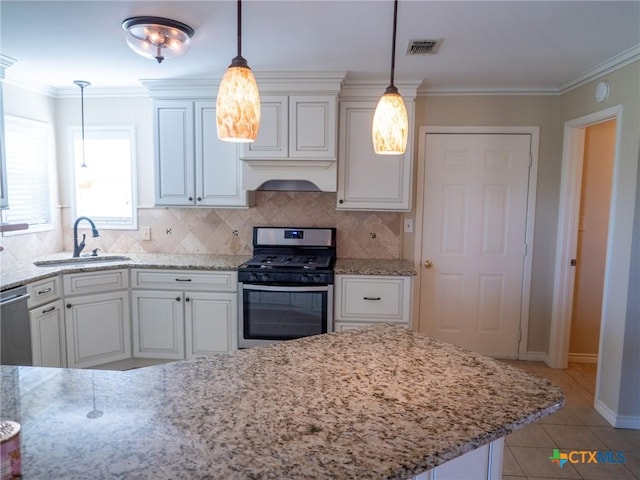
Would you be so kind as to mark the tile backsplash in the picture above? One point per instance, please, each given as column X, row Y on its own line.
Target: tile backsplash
column 229, row 231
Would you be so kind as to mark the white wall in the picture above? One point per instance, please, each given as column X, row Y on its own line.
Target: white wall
column 618, row 353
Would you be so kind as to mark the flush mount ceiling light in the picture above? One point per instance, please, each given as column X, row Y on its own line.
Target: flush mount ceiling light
column 157, row 37
column 238, row 101
column 390, row 120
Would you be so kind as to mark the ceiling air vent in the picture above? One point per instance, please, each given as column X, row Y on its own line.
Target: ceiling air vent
column 423, row 47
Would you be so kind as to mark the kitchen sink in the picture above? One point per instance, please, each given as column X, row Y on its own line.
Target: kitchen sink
column 60, row 262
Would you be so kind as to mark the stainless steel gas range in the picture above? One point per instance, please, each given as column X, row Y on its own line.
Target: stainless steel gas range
column 287, row 287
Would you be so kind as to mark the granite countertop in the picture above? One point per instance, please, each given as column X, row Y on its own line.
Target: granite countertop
column 20, row 273
column 373, row 266
column 375, row 403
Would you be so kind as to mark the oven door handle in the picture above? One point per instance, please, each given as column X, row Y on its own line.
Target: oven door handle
column 286, row 288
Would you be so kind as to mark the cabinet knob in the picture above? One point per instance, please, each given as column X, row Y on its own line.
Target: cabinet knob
column 177, row 299
column 340, row 201
column 191, row 199
column 199, row 199
column 187, row 299
column 428, row 264
column 69, row 305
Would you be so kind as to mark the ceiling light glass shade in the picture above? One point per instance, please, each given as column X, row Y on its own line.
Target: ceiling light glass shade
column 156, row 37
column 390, row 124
column 238, row 104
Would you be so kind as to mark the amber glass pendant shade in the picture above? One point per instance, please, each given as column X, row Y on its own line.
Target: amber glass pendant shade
column 238, row 106
column 238, row 100
column 390, row 120
column 390, row 125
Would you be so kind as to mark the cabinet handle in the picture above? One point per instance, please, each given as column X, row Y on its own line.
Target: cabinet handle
column 187, row 299
column 42, row 292
column 183, row 279
column 69, row 305
column 177, row 299
column 371, row 298
column 51, row 309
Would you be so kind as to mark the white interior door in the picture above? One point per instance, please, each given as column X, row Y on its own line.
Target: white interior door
column 474, row 227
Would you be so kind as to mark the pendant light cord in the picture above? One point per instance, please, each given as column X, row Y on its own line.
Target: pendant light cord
column 239, row 28
column 82, row 119
column 393, row 43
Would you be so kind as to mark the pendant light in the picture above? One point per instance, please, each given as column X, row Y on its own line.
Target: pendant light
column 238, row 102
column 390, row 120
column 82, row 84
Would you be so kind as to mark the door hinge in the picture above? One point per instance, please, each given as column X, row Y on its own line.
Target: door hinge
column 573, row 262
column 524, row 249
column 519, row 335
column 531, row 159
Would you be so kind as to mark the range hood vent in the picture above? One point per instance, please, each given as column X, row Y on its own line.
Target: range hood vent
column 289, row 186
column 309, row 175
column 423, row 47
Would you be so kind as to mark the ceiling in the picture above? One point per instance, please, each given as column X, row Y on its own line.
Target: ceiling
column 539, row 46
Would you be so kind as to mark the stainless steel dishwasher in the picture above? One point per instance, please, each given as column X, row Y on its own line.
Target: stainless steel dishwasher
column 15, row 328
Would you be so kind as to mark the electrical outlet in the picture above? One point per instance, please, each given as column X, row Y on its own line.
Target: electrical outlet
column 145, row 233
column 408, row 225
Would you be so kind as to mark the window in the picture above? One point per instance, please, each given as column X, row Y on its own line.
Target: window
column 30, row 174
column 104, row 185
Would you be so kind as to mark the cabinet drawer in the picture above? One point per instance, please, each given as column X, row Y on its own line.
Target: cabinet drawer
column 185, row 279
column 373, row 298
column 43, row 291
column 95, row 282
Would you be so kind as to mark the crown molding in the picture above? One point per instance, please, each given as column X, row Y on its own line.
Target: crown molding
column 611, row 65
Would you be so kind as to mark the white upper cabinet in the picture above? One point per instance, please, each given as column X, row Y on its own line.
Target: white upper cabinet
column 192, row 166
column 367, row 181
column 295, row 126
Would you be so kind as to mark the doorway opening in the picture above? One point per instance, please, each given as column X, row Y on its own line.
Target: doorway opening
column 568, row 229
column 591, row 249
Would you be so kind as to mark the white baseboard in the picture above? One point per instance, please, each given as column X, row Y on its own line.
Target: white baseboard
column 617, row 421
column 536, row 357
column 583, row 358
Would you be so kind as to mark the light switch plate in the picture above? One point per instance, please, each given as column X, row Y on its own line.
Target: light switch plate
column 145, row 233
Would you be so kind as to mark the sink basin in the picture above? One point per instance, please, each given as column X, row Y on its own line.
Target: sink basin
column 60, row 262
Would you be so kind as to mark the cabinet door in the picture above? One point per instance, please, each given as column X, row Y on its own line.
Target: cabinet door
column 312, row 126
column 47, row 335
column 98, row 329
column 273, row 135
column 218, row 167
column 173, row 127
column 158, row 324
column 211, row 323
column 367, row 181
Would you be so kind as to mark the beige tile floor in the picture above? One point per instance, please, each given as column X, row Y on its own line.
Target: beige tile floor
column 576, row 427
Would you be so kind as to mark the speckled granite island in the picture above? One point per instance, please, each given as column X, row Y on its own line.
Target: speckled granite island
column 381, row 402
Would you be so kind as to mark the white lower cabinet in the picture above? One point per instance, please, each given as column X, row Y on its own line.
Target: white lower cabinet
column 48, row 335
column 172, row 322
column 98, row 329
column 158, row 324
column 484, row 463
column 362, row 300
column 97, row 325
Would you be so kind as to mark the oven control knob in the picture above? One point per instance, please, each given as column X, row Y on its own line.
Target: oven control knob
column 316, row 278
column 265, row 277
column 253, row 277
column 306, row 278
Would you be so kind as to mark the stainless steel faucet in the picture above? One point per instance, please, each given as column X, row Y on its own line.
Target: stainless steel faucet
column 77, row 248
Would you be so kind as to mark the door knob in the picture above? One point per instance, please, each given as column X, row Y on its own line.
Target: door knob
column 428, row 264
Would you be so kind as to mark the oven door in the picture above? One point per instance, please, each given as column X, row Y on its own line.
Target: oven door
column 274, row 313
